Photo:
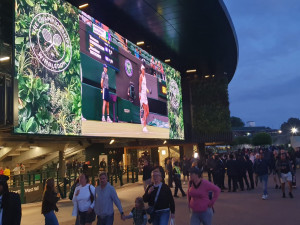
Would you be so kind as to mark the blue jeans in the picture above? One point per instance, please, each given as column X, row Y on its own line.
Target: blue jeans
column 201, row 217
column 106, row 220
column 161, row 217
column 50, row 218
column 264, row 180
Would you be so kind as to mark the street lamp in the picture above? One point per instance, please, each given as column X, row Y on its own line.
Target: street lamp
column 294, row 130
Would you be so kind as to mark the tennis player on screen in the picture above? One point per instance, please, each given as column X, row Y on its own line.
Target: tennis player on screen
column 105, row 94
column 144, row 107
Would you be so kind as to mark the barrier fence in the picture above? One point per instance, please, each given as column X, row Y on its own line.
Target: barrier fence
column 30, row 185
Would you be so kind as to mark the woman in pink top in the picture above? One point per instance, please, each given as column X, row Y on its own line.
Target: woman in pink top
column 201, row 196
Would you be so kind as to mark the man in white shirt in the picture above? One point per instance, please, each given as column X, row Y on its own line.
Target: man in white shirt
column 105, row 196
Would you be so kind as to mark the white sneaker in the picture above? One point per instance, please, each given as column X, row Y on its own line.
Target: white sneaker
column 145, row 129
column 109, row 120
column 103, row 119
column 264, row 197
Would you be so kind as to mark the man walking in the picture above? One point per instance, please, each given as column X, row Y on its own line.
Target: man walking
column 261, row 169
column 285, row 168
column 105, row 196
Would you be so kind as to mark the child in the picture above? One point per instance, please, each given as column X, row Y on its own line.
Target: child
column 138, row 213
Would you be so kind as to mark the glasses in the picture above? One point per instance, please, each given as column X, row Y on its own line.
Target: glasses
column 157, row 175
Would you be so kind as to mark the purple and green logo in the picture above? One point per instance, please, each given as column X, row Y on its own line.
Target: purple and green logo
column 128, row 68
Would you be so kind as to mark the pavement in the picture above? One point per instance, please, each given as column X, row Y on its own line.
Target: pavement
column 239, row 208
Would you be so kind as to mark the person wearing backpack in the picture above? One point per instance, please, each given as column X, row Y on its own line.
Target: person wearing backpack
column 83, row 200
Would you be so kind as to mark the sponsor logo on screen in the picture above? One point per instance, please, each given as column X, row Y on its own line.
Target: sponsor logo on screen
column 50, row 42
column 128, row 68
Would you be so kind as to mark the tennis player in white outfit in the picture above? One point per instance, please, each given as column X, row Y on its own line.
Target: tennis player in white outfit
column 144, row 107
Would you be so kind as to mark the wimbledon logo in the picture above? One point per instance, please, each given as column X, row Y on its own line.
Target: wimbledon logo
column 174, row 94
column 50, row 42
column 128, row 68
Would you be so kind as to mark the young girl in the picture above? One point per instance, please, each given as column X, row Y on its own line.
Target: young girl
column 138, row 213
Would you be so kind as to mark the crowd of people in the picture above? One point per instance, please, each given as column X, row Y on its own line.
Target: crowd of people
column 244, row 169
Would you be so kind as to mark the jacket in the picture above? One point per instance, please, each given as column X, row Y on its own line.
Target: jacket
column 165, row 198
column 11, row 209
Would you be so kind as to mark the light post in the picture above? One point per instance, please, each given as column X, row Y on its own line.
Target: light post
column 294, row 130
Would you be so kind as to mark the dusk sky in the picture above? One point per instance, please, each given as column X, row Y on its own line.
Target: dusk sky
column 266, row 86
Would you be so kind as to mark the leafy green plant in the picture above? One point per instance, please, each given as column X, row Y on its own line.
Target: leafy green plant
column 49, row 102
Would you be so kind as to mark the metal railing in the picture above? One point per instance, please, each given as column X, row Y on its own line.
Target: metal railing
column 116, row 176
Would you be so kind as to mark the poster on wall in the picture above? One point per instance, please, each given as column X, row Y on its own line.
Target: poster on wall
column 76, row 76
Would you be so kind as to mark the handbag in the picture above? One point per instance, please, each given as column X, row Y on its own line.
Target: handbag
column 150, row 210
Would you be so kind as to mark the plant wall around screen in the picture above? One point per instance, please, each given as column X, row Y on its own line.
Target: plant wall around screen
column 47, row 67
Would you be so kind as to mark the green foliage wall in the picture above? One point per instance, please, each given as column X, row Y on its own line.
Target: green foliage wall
column 175, row 109
column 210, row 105
column 49, row 102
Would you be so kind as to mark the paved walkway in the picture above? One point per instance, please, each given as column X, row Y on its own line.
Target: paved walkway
column 240, row 208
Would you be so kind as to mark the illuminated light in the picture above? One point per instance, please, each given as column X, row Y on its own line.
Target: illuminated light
column 294, row 130
column 213, row 75
column 248, row 134
column 196, row 155
column 33, row 146
column 163, row 152
column 191, row 71
column 84, row 6
column 140, row 43
column 279, row 131
column 112, row 141
column 164, row 90
column 206, row 76
column 168, row 60
column 165, row 142
column 4, row 58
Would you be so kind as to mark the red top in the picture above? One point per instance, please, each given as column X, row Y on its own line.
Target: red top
column 199, row 197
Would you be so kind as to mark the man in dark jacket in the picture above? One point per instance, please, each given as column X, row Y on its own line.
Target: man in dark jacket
column 147, row 169
column 261, row 169
column 170, row 173
column 232, row 173
column 211, row 164
column 10, row 204
column 249, row 168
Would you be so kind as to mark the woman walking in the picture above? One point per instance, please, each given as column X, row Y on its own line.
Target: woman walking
column 83, row 201
column 50, row 198
column 201, row 196
column 160, row 200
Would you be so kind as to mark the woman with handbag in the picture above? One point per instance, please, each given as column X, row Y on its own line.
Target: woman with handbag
column 202, row 195
column 83, row 201
column 160, row 200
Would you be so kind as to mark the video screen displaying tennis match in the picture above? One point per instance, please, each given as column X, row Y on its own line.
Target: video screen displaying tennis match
column 76, row 76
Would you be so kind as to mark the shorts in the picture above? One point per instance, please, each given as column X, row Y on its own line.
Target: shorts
column 186, row 173
column 286, row 177
column 86, row 217
column 105, row 94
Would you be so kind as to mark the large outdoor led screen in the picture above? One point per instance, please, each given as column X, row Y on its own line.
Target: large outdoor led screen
column 78, row 77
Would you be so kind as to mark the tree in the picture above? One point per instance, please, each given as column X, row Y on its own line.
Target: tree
column 287, row 126
column 242, row 140
column 236, row 122
column 262, row 139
